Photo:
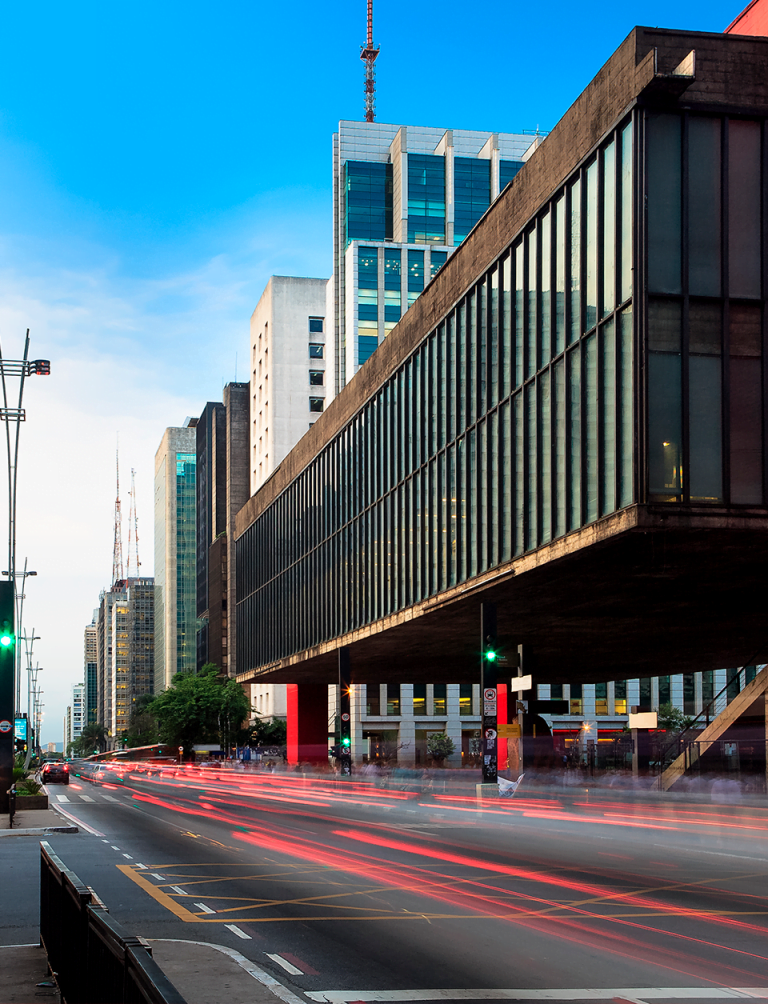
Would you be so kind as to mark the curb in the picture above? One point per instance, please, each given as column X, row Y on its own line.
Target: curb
column 38, row 831
column 277, row 988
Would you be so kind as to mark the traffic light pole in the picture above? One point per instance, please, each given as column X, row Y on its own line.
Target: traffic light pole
column 488, row 684
column 345, row 712
column 7, row 710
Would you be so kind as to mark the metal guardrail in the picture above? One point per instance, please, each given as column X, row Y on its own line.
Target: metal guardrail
column 93, row 959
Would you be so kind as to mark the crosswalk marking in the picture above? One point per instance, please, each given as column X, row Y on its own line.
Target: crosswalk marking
column 87, row 798
column 109, row 798
column 62, row 798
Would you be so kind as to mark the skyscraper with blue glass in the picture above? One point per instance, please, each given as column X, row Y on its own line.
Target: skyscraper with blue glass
column 404, row 197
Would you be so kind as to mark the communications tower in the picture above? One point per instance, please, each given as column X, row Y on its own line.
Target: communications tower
column 368, row 54
column 133, row 566
column 117, row 552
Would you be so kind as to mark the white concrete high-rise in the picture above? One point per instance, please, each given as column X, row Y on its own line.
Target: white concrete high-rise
column 291, row 369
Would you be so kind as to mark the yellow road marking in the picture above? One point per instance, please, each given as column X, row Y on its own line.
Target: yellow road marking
column 157, row 894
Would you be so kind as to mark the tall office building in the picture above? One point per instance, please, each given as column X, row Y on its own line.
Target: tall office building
column 292, row 378
column 90, row 669
column 126, row 650
column 403, row 198
column 175, row 554
column 222, row 446
column 76, row 715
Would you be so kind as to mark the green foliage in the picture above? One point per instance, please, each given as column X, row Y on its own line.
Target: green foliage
column 19, row 774
column 440, row 746
column 672, row 719
column 29, row 786
column 269, row 732
column 93, row 737
column 200, row 708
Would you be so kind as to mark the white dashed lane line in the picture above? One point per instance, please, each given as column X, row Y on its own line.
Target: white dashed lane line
column 285, row 964
column 204, row 907
column 236, row 930
column 179, row 891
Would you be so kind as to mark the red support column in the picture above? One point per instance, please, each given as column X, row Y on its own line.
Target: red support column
column 502, row 719
column 307, row 707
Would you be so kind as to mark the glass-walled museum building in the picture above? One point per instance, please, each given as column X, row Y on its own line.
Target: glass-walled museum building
column 590, row 358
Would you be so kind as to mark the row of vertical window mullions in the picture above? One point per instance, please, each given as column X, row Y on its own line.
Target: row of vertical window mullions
column 725, row 301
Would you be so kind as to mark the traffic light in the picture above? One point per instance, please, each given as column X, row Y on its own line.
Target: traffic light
column 6, row 634
column 41, row 367
column 490, row 649
column 345, row 742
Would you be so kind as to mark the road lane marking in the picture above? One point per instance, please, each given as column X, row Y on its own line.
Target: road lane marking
column 236, row 930
column 160, row 878
column 62, row 798
column 115, row 848
column 284, row 964
column 641, row 994
column 179, row 891
column 303, row 966
column 204, row 907
column 159, row 895
column 87, row 798
column 129, row 856
column 108, row 798
column 78, row 822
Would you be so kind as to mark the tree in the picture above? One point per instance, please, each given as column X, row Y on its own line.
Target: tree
column 440, row 746
column 269, row 732
column 235, row 709
column 199, row 708
column 673, row 720
column 92, row 738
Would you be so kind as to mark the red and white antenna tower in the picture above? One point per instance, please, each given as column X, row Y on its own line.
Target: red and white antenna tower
column 117, row 553
column 133, row 533
column 368, row 54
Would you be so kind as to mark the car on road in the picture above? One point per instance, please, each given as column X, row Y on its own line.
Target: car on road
column 55, row 773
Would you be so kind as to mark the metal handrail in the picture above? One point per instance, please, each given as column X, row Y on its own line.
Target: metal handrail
column 92, row 958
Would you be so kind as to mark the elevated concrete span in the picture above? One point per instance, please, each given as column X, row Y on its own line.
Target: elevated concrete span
column 570, row 421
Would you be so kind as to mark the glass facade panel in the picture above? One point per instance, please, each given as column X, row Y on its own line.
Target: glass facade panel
column 627, row 193
column 664, row 143
column 746, row 403
column 507, row 171
column 744, row 257
column 704, row 212
column 705, row 468
column 574, row 196
column 419, row 699
column 609, row 228
column 608, row 417
column 665, row 430
column 591, row 246
column 426, row 199
column 472, row 193
column 368, row 201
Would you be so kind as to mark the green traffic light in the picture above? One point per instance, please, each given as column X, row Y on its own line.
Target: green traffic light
column 345, row 742
column 6, row 639
column 490, row 655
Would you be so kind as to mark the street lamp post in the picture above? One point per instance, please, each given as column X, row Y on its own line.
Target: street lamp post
column 12, row 416
column 20, row 597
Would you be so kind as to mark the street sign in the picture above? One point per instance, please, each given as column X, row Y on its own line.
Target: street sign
column 644, row 720
column 345, row 718
column 21, row 728
column 510, row 731
column 521, row 683
column 5, row 725
column 490, row 733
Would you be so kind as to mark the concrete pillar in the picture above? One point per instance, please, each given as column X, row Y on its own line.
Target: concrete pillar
column 307, row 721
column 453, row 722
column 357, row 707
column 502, row 718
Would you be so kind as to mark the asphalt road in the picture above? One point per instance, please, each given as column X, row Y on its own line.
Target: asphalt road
column 348, row 893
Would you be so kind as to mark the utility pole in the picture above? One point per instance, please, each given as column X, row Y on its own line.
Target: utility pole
column 12, row 416
column 345, row 713
column 489, row 743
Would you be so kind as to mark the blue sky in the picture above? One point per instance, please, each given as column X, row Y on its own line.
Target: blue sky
column 158, row 162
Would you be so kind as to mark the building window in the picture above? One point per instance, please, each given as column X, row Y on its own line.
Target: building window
column 372, row 700
column 316, row 350
column 436, row 261
column 575, row 702
column 316, row 378
column 472, row 193
column 393, row 698
column 465, row 699
column 368, row 201
column 419, row 699
column 316, row 325
column 601, row 699
column 426, row 199
column 316, row 404
column 439, row 702
column 620, row 698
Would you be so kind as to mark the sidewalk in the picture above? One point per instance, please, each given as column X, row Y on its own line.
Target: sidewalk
column 21, row 969
column 35, row 822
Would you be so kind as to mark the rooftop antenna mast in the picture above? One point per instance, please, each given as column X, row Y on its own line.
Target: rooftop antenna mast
column 133, row 533
column 117, row 553
column 368, row 54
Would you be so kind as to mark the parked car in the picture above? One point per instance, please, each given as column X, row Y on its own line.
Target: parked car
column 55, row 773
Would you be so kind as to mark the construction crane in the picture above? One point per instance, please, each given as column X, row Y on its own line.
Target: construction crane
column 117, row 552
column 368, row 54
column 133, row 533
